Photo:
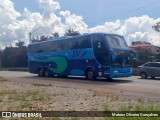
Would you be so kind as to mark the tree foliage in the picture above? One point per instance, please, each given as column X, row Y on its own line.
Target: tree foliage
column 39, row 39
column 147, row 56
column 19, row 44
column 55, row 34
column 14, row 56
column 71, row 32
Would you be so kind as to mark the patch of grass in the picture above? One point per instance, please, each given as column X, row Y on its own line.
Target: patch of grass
column 7, row 92
column 140, row 100
column 25, row 104
column 32, row 95
column 19, row 96
column 39, row 95
column 106, row 108
column 24, row 99
column 114, row 97
column 41, row 85
column 75, row 118
column 149, row 107
column 101, row 94
column 123, row 107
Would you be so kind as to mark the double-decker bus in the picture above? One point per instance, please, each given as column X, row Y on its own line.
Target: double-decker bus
column 91, row 55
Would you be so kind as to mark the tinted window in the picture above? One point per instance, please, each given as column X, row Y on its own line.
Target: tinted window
column 115, row 41
column 81, row 42
column 153, row 65
column 145, row 64
column 156, row 65
column 67, row 44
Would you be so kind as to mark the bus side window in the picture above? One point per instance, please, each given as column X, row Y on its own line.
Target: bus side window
column 86, row 42
column 75, row 44
column 66, row 44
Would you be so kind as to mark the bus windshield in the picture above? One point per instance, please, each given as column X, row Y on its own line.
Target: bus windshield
column 115, row 41
column 122, row 59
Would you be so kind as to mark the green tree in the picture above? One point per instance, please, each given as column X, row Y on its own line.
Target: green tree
column 157, row 57
column 14, row 56
column 145, row 56
column 55, row 34
column 71, row 32
column 19, row 44
column 43, row 38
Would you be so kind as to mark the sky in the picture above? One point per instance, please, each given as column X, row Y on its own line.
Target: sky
column 132, row 19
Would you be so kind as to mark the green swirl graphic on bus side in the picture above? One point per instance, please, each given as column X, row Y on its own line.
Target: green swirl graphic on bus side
column 59, row 61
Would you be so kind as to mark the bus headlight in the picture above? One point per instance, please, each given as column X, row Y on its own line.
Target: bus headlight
column 115, row 71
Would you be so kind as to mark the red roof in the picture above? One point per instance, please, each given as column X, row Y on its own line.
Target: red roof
column 141, row 46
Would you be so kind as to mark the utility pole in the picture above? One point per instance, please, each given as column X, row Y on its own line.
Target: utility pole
column 29, row 33
column 30, row 37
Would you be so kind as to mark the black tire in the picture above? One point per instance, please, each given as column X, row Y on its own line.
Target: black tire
column 46, row 72
column 90, row 75
column 143, row 75
column 109, row 79
column 40, row 72
column 152, row 77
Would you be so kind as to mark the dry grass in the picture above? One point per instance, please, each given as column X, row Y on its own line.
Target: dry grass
column 3, row 79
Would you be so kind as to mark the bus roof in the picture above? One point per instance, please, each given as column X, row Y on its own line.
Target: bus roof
column 65, row 37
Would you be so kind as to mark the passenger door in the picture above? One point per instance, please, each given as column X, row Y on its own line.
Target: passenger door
column 100, row 50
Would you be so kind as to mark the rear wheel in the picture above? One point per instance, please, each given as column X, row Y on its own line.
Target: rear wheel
column 90, row 75
column 143, row 75
column 152, row 77
column 46, row 72
column 109, row 79
column 40, row 72
column 62, row 76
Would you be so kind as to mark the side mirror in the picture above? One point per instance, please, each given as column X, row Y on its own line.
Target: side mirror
column 113, row 55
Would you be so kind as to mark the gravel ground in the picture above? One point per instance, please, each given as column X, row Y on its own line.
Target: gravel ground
column 40, row 97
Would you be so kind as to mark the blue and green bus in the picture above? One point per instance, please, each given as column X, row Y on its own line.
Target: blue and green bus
column 91, row 55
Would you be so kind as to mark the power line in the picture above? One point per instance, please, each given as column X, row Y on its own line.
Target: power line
column 123, row 13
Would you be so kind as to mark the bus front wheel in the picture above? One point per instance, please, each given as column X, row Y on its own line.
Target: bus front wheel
column 90, row 75
column 40, row 72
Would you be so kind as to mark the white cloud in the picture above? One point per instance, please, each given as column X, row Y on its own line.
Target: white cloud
column 18, row 29
column 8, row 15
column 12, row 29
column 74, row 21
column 134, row 29
column 107, row 27
column 49, row 5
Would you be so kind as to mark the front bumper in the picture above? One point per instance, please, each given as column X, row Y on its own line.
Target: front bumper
column 117, row 75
